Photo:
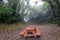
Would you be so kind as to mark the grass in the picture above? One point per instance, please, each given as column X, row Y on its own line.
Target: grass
column 10, row 26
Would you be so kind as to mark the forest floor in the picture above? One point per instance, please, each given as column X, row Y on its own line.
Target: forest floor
column 48, row 32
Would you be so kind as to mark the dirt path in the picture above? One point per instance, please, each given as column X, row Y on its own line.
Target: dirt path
column 49, row 32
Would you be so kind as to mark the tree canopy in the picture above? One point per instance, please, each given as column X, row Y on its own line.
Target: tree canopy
column 20, row 10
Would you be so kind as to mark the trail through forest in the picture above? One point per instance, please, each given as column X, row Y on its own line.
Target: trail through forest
column 48, row 32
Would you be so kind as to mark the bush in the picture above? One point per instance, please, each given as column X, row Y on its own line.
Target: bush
column 6, row 15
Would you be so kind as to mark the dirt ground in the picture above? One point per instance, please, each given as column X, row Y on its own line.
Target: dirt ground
column 48, row 32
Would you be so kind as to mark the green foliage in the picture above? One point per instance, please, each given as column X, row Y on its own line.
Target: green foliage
column 7, row 14
column 55, row 5
column 13, row 1
column 46, row 4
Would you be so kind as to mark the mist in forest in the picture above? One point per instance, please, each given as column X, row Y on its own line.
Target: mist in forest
column 40, row 11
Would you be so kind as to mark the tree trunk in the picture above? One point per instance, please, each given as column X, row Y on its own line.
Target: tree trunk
column 52, row 8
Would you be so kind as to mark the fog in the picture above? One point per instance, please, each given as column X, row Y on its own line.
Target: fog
column 37, row 13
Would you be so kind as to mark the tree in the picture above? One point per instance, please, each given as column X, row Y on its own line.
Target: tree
column 55, row 5
column 9, row 13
